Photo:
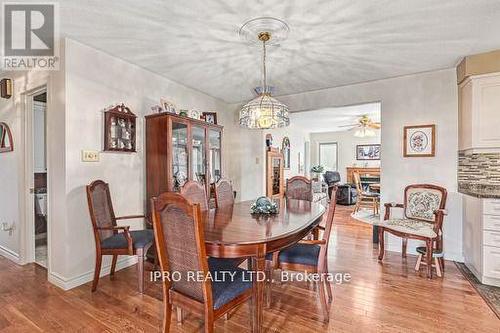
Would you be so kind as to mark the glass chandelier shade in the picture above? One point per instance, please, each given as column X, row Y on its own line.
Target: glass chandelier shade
column 364, row 132
column 264, row 111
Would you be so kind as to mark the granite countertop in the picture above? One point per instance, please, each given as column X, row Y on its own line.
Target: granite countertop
column 480, row 190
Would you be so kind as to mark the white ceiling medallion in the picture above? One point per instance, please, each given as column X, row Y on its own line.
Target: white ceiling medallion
column 264, row 111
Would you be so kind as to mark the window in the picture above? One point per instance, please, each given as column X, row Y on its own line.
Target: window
column 328, row 156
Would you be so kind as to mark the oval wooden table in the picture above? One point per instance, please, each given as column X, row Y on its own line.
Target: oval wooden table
column 232, row 232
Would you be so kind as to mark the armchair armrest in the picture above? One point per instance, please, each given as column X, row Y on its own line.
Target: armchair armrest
column 388, row 206
column 126, row 234
column 127, row 227
column 393, row 204
column 441, row 212
column 313, row 241
column 128, row 217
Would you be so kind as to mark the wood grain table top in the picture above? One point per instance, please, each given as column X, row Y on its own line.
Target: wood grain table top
column 235, row 225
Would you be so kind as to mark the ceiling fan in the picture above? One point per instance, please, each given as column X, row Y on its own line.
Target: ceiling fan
column 365, row 127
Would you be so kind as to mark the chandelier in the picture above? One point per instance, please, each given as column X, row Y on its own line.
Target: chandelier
column 264, row 111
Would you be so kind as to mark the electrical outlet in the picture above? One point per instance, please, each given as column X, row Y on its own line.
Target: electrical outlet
column 90, row 156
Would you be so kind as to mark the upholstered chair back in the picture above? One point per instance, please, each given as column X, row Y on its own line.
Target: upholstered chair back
column 195, row 193
column 180, row 243
column 100, row 208
column 300, row 188
column 422, row 200
column 224, row 195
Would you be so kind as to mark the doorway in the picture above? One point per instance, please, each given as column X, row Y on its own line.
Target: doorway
column 38, row 110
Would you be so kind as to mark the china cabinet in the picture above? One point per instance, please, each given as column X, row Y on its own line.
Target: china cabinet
column 179, row 149
column 275, row 180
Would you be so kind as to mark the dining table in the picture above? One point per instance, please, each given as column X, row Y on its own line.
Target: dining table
column 233, row 232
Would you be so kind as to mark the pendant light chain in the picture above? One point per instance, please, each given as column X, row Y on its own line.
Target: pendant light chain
column 264, row 66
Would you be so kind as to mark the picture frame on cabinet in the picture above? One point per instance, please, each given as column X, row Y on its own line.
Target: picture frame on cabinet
column 419, row 141
column 210, row 117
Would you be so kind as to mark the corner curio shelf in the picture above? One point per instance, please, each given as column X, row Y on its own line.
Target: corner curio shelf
column 119, row 129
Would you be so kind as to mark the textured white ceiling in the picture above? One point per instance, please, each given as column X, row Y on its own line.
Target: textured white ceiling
column 332, row 119
column 331, row 42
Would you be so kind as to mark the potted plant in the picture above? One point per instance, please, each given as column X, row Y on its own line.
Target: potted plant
column 317, row 170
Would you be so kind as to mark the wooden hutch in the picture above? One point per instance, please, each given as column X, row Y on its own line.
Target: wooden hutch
column 179, row 149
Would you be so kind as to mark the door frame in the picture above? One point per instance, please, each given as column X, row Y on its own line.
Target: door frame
column 28, row 244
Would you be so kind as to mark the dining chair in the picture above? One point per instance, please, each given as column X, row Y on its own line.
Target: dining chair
column 196, row 193
column 108, row 239
column 224, row 194
column 180, row 242
column 424, row 211
column 365, row 198
column 299, row 187
column 308, row 256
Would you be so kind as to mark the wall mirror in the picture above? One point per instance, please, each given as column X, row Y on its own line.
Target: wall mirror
column 6, row 143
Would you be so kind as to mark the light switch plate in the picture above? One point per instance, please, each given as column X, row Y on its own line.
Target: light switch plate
column 90, row 156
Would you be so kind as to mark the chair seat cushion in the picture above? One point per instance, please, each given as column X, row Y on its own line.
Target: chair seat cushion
column 303, row 254
column 140, row 238
column 227, row 286
column 409, row 226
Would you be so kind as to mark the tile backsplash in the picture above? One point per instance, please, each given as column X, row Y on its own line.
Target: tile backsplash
column 483, row 168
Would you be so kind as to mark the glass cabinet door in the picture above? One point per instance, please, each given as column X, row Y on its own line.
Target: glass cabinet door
column 276, row 177
column 179, row 154
column 198, row 155
column 214, row 139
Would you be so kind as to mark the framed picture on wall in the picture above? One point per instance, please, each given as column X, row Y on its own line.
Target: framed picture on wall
column 368, row 152
column 419, row 141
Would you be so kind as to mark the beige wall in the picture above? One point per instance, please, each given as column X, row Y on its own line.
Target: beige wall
column 427, row 98
column 346, row 146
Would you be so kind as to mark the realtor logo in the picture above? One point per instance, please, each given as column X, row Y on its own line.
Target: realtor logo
column 30, row 36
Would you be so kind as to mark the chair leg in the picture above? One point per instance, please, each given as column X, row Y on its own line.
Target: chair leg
column 403, row 247
column 167, row 315
column 269, row 278
column 113, row 266
column 209, row 323
column 97, row 271
column 180, row 316
column 438, row 267
column 419, row 261
column 140, row 269
column 381, row 243
column 428, row 252
column 328, row 284
column 374, row 204
column 324, row 304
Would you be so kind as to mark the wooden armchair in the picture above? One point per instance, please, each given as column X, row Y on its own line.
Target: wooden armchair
column 309, row 256
column 224, row 194
column 179, row 235
column 108, row 238
column 299, row 187
column 365, row 198
column 423, row 220
column 196, row 193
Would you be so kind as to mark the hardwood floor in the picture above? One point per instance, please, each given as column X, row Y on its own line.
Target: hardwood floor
column 388, row 297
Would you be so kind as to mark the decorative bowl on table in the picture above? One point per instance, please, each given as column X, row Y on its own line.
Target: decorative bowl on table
column 264, row 205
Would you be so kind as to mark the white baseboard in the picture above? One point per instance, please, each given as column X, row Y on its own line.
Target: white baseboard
column 67, row 284
column 9, row 254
